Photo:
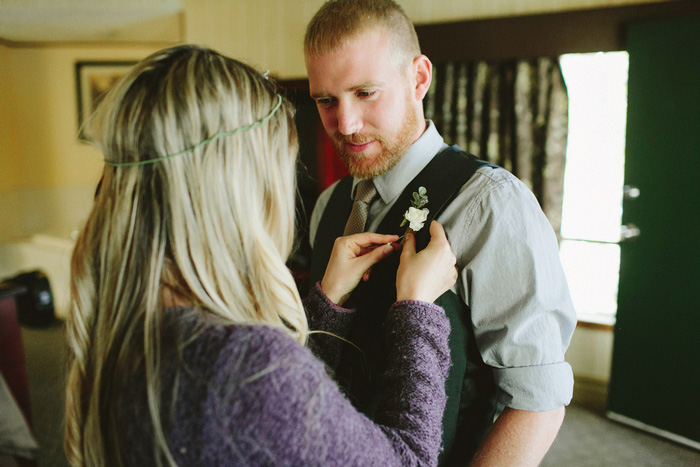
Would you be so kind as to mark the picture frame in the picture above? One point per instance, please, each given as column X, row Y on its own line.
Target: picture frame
column 92, row 80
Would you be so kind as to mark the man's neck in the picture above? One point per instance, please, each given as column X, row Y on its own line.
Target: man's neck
column 417, row 156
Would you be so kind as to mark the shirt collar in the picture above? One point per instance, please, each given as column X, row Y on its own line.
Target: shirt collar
column 392, row 183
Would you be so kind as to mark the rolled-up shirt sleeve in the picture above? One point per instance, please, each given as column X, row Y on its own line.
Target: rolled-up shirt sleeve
column 512, row 279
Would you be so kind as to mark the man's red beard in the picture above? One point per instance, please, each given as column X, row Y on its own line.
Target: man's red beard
column 392, row 148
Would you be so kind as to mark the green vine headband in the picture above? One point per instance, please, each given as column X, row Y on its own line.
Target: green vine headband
column 221, row 134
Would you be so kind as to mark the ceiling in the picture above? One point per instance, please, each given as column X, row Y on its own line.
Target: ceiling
column 90, row 20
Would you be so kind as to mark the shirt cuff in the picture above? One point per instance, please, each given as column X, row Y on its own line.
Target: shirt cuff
column 535, row 388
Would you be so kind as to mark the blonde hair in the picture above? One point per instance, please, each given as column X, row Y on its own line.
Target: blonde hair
column 214, row 225
column 339, row 20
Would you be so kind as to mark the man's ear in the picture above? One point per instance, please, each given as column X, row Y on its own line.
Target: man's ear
column 422, row 73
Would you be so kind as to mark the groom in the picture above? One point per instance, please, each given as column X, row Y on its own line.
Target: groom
column 510, row 311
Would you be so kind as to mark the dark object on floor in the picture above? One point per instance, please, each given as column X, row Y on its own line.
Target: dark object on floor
column 35, row 307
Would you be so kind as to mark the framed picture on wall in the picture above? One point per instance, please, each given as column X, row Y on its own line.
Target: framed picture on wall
column 92, row 80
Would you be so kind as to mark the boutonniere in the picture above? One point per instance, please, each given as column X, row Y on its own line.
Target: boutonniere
column 416, row 214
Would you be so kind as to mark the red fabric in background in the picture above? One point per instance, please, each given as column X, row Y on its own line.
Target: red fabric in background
column 12, row 361
column 330, row 167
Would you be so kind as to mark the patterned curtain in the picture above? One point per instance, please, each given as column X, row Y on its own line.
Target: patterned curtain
column 512, row 113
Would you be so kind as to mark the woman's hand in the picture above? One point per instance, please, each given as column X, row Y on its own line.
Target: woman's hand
column 351, row 260
column 426, row 275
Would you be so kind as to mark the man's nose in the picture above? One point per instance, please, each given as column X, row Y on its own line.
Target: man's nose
column 349, row 118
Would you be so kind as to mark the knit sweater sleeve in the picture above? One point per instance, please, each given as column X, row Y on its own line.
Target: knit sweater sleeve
column 272, row 403
column 329, row 325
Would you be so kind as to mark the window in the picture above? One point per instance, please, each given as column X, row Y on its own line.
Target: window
column 593, row 182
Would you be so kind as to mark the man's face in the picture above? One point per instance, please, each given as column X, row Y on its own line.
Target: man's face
column 367, row 104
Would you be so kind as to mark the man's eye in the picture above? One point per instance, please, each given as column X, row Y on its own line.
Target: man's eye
column 325, row 101
column 365, row 93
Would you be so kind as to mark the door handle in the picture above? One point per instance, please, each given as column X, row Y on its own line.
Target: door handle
column 630, row 192
column 628, row 232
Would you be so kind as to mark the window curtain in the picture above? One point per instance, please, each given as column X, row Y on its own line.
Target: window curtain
column 513, row 113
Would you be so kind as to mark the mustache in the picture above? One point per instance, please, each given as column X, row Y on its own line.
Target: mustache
column 354, row 138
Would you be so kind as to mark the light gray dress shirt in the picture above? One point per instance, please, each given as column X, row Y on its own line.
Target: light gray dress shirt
column 510, row 275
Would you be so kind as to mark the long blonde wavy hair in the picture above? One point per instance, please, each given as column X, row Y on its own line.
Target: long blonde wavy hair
column 212, row 227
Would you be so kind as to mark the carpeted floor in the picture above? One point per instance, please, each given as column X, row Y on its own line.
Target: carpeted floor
column 587, row 439
column 45, row 356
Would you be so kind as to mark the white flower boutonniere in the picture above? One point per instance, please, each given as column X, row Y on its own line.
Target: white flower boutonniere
column 417, row 214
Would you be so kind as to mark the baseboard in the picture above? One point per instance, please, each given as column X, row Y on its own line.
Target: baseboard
column 591, row 393
column 653, row 430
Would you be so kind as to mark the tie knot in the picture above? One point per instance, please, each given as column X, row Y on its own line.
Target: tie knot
column 366, row 191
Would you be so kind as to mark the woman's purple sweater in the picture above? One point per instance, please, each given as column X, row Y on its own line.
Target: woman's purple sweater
column 250, row 395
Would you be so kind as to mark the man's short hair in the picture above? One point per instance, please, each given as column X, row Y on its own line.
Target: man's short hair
column 339, row 20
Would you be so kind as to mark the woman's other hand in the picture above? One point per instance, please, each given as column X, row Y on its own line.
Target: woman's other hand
column 351, row 261
column 426, row 275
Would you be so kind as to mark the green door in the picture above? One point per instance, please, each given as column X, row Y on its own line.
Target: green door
column 655, row 379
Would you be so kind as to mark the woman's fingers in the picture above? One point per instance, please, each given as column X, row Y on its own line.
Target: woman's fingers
column 437, row 235
column 409, row 244
column 373, row 257
column 369, row 240
column 350, row 262
column 431, row 272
